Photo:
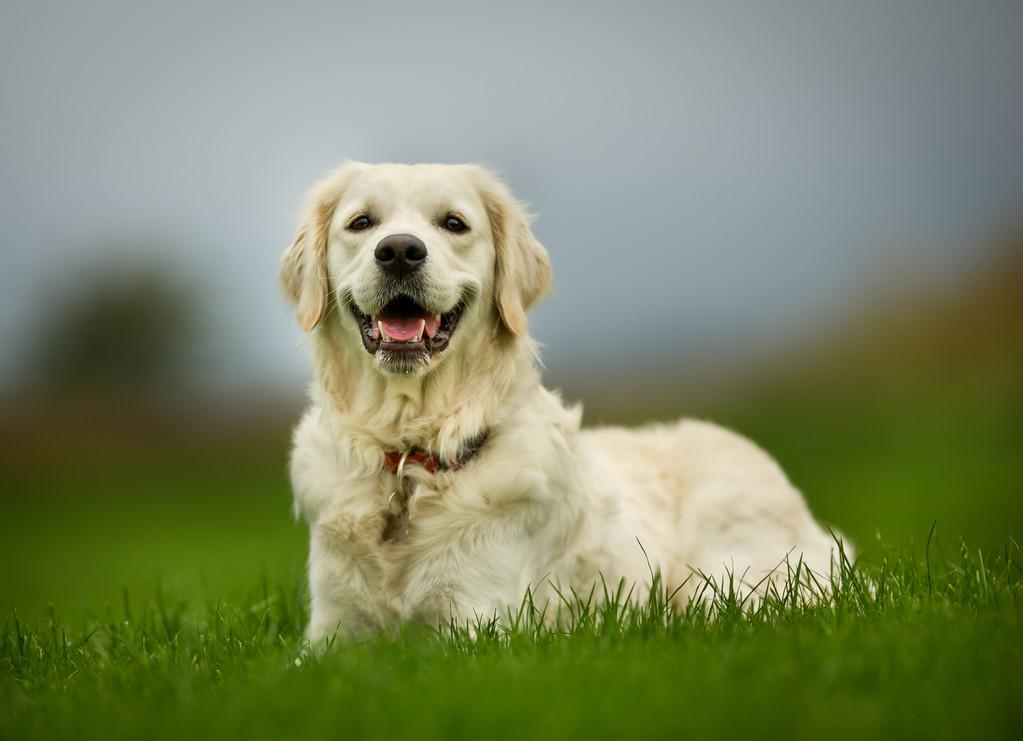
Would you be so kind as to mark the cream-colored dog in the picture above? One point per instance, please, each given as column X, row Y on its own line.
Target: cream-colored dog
column 439, row 477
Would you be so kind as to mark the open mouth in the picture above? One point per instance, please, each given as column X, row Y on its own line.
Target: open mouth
column 403, row 326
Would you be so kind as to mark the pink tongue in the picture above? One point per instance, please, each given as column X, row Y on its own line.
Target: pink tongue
column 401, row 329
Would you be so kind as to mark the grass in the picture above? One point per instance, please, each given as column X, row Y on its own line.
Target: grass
column 160, row 593
column 920, row 645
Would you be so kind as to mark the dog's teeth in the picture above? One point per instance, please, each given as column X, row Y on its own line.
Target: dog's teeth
column 422, row 328
column 386, row 337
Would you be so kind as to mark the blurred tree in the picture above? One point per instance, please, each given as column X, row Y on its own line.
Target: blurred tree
column 122, row 330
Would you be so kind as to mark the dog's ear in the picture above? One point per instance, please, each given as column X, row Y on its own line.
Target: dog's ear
column 523, row 273
column 304, row 263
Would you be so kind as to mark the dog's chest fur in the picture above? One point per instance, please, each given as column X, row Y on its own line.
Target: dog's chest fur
column 477, row 537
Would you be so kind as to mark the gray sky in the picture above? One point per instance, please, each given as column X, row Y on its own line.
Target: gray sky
column 706, row 174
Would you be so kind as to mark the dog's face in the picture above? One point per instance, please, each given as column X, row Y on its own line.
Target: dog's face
column 414, row 258
column 412, row 252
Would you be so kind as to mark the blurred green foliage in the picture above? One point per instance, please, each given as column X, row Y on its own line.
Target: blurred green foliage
column 129, row 329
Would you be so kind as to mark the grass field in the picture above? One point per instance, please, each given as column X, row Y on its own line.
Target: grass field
column 922, row 647
column 160, row 593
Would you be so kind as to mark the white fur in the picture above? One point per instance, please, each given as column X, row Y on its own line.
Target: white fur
column 543, row 503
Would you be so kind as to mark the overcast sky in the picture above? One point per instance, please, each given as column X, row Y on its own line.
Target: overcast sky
column 705, row 173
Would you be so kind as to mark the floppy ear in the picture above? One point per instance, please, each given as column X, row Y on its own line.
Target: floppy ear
column 522, row 274
column 304, row 263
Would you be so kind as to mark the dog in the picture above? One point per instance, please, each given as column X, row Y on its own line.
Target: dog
column 439, row 478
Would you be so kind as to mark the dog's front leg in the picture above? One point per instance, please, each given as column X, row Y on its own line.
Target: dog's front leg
column 347, row 577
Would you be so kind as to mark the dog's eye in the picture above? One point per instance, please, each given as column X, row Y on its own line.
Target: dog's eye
column 454, row 224
column 359, row 224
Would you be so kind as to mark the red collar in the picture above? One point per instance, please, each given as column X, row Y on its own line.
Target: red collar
column 429, row 461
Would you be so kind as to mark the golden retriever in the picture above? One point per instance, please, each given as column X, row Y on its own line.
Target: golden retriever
column 439, row 478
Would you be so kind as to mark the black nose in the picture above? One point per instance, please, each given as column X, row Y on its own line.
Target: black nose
column 400, row 254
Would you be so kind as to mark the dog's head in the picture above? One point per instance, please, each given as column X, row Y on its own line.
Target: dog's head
column 413, row 259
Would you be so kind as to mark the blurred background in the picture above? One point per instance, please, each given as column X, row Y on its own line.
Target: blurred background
column 800, row 219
